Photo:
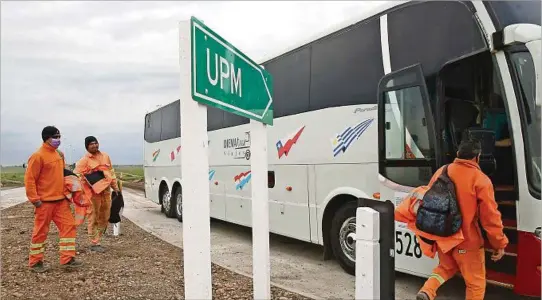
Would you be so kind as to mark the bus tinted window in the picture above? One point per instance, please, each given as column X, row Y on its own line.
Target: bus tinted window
column 432, row 33
column 291, row 78
column 231, row 120
column 215, row 118
column 153, row 126
column 346, row 67
column 505, row 13
column 171, row 121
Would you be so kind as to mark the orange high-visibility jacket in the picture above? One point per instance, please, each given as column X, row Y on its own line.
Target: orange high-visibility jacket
column 43, row 179
column 76, row 192
column 97, row 162
column 406, row 213
column 476, row 198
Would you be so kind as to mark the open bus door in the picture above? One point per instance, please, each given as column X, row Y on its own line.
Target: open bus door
column 408, row 154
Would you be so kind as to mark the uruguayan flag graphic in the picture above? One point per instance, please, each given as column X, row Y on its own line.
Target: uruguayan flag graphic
column 342, row 141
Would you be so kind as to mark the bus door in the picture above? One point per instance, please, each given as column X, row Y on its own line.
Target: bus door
column 517, row 49
column 407, row 154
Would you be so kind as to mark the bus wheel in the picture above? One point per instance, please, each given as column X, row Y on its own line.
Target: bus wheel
column 178, row 195
column 167, row 204
column 343, row 236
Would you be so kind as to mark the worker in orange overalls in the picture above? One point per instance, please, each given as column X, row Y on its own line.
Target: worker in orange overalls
column 99, row 175
column 78, row 194
column 463, row 251
column 44, row 184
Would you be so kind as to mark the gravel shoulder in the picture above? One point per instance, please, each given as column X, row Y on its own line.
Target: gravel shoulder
column 137, row 265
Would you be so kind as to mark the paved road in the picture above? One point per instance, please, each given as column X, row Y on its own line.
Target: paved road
column 11, row 196
column 295, row 265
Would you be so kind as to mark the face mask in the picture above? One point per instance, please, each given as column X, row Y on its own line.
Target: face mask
column 55, row 143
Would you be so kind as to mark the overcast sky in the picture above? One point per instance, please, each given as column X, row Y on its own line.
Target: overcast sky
column 96, row 68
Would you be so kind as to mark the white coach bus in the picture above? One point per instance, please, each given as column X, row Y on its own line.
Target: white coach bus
column 370, row 110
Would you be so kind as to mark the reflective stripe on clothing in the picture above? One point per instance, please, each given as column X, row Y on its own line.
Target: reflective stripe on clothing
column 67, row 248
column 471, row 265
column 37, row 248
column 35, row 252
column 59, row 212
column 437, row 277
column 67, row 240
column 36, row 245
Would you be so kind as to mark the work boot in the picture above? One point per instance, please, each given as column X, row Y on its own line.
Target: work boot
column 422, row 296
column 73, row 264
column 39, row 267
column 97, row 248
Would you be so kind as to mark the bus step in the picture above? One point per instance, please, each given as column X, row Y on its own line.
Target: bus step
column 508, row 212
column 500, row 279
column 504, row 188
column 506, row 203
column 507, row 264
column 505, row 193
column 510, row 224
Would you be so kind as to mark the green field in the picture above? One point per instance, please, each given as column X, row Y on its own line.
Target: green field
column 14, row 175
column 133, row 170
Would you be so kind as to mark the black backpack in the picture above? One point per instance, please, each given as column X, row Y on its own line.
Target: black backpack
column 439, row 212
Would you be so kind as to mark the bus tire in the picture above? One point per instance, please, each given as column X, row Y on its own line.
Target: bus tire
column 342, row 236
column 178, row 195
column 168, row 205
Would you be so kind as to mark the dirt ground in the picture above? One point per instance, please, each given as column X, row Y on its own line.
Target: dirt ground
column 137, row 265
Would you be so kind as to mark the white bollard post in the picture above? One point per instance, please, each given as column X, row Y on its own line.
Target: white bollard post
column 367, row 253
column 260, row 211
column 195, row 180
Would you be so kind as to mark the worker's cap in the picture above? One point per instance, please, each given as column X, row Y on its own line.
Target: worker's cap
column 88, row 140
column 49, row 132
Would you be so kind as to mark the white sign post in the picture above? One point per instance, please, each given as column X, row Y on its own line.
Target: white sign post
column 245, row 89
column 195, row 184
column 367, row 253
column 261, row 269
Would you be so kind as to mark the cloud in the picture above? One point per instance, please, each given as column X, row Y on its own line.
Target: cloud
column 96, row 68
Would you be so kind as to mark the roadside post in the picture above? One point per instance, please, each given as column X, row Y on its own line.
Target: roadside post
column 368, row 252
column 375, row 249
column 194, row 172
column 215, row 73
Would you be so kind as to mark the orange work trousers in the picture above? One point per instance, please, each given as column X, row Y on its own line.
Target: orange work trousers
column 470, row 263
column 99, row 217
column 60, row 213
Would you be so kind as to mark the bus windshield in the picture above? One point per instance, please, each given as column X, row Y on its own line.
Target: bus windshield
column 505, row 13
column 524, row 68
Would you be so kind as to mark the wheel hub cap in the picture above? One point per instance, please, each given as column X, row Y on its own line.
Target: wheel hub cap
column 179, row 204
column 166, row 200
column 347, row 238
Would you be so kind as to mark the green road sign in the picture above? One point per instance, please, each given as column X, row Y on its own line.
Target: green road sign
column 223, row 77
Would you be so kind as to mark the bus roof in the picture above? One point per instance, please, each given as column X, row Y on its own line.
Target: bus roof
column 361, row 16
